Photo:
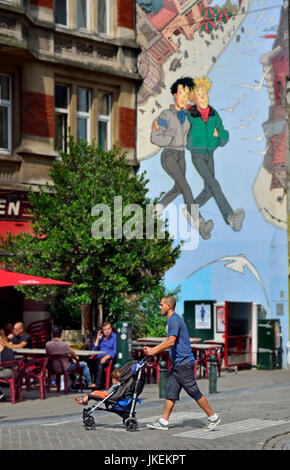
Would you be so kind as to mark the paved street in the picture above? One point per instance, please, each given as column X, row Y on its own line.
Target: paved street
column 254, row 406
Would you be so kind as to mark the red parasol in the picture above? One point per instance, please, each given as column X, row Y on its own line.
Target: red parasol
column 8, row 278
column 207, row 25
column 224, row 15
column 209, row 12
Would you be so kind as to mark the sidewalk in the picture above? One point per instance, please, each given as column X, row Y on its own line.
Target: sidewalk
column 59, row 404
column 253, row 404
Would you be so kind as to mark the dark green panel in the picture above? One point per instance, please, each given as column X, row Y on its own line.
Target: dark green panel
column 191, row 321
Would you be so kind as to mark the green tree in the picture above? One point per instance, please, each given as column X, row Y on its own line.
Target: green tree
column 63, row 248
column 143, row 311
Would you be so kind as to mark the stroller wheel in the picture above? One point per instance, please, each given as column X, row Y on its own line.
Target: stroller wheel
column 131, row 424
column 89, row 423
column 88, row 420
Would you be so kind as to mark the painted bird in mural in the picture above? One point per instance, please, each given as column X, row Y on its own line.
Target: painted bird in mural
column 249, row 118
column 258, row 139
column 157, row 104
column 242, row 127
column 238, row 264
column 256, row 87
column 231, row 109
column 261, row 16
column 261, row 153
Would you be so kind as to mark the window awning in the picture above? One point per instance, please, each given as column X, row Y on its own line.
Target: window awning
column 15, row 227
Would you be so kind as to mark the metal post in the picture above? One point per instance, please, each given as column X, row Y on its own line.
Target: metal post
column 162, row 379
column 212, row 374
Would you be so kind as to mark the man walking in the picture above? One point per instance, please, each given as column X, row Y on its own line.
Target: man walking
column 181, row 374
column 170, row 131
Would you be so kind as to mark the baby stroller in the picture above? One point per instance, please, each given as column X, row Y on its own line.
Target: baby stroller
column 124, row 399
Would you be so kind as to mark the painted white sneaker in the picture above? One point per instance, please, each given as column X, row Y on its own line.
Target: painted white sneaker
column 236, row 219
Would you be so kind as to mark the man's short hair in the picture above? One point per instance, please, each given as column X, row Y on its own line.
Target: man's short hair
column 184, row 81
column 170, row 300
column 56, row 331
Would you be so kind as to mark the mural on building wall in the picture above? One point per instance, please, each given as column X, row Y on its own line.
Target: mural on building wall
column 212, row 130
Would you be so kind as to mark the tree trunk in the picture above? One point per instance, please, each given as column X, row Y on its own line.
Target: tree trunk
column 99, row 319
column 86, row 321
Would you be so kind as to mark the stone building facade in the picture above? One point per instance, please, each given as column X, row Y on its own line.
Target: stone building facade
column 66, row 66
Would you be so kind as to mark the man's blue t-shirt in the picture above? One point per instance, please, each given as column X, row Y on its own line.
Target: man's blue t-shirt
column 180, row 353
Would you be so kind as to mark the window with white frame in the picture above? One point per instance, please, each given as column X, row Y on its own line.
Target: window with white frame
column 83, row 114
column 104, row 120
column 83, row 14
column 5, row 113
column 104, row 17
column 61, row 12
column 61, row 99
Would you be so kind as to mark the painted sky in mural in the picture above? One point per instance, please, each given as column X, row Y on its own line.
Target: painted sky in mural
column 245, row 57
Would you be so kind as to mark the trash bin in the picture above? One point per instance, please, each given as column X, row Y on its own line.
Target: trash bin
column 269, row 344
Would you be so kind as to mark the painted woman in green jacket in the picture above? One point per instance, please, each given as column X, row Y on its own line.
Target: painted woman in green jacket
column 206, row 134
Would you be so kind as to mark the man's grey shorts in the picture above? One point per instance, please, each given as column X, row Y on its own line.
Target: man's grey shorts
column 182, row 377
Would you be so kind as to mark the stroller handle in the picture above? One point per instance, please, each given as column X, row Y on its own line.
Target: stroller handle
column 147, row 359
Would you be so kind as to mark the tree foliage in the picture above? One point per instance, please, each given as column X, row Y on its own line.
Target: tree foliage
column 63, row 248
column 143, row 311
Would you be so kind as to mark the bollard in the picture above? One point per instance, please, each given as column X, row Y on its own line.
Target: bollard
column 162, row 379
column 212, row 374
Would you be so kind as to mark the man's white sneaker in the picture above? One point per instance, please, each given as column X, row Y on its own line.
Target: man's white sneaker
column 158, row 425
column 211, row 424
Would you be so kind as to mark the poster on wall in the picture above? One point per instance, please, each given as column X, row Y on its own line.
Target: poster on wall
column 202, row 317
column 220, row 319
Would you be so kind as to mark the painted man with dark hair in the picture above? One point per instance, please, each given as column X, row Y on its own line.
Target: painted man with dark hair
column 170, row 131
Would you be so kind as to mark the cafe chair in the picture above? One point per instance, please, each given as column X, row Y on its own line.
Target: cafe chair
column 108, row 371
column 56, row 370
column 150, row 367
column 13, row 382
column 36, row 370
column 40, row 333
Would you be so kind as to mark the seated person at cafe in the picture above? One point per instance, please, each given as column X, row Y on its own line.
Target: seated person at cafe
column 6, row 354
column 57, row 346
column 105, row 341
column 20, row 339
column 8, row 329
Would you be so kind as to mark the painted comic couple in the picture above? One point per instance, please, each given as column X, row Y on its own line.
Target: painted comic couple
column 198, row 128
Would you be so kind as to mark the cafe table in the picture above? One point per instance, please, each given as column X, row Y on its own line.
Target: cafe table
column 42, row 352
column 202, row 353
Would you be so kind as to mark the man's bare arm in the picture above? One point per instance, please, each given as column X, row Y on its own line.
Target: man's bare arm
column 168, row 343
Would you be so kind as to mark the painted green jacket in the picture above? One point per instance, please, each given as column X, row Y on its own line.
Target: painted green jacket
column 200, row 137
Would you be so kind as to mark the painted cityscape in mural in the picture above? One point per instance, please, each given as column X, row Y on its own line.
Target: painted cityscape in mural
column 237, row 54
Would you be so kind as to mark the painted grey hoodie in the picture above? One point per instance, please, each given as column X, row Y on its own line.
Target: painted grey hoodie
column 171, row 133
